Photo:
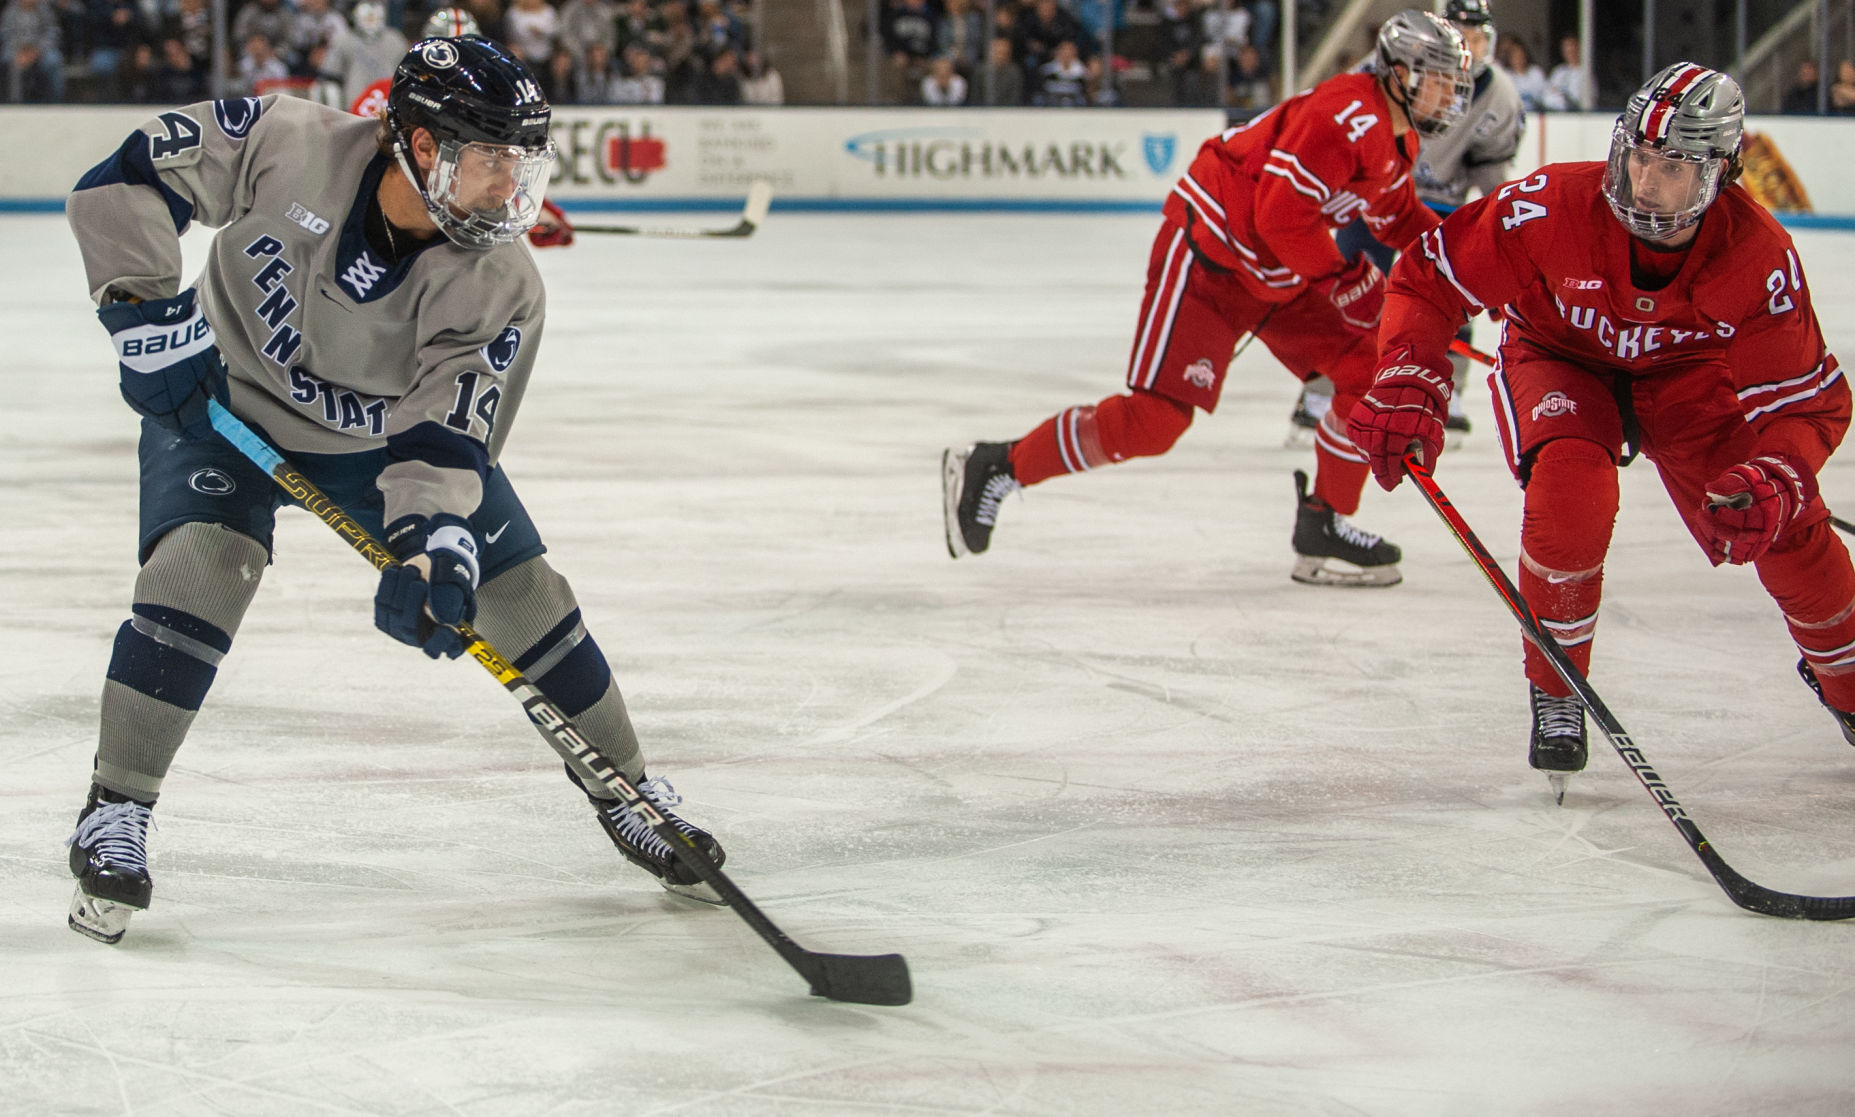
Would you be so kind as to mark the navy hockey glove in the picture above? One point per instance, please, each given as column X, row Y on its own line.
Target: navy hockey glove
column 1358, row 293
column 169, row 360
column 1751, row 504
column 432, row 587
column 1404, row 410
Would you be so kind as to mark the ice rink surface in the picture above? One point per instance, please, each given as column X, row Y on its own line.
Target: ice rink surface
column 1159, row 830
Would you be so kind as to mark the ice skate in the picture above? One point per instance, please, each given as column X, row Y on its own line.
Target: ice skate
column 1330, row 551
column 109, row 858
column 1310, row 409
column 1844, row 721
column 972, row 483
column 1557, row 746
column 1455, row 426
column 642, row 847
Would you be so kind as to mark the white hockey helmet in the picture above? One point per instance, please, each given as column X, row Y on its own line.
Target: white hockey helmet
column 1437, row 85
column 450, row 23
column 1674, row 149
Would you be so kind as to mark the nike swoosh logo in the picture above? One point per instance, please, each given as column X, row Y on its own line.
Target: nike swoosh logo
column 497, row 534
column 1553, row 579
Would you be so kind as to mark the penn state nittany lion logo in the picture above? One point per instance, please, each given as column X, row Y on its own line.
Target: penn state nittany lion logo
column 212, row 482
column 236, row 115
column 501, row 352
column 438, row 54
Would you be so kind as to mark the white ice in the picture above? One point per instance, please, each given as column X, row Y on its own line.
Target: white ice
column 1158, row 830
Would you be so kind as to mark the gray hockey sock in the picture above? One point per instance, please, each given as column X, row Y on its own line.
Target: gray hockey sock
column 529, row 613
column 189, row 599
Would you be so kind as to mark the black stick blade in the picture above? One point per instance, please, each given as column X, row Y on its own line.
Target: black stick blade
column 864, row 979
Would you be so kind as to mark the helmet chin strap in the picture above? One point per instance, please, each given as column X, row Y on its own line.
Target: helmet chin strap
column 408, row 168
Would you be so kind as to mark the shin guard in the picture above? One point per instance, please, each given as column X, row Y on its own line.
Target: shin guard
column 1571, row 509
column 529, row 613
column 1137, row 425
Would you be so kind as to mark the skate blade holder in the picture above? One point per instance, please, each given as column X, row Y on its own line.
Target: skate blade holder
column 100, row 919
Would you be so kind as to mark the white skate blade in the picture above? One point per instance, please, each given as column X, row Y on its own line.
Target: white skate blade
column 102, row 920
column 700, row 892
column 952, row 469
column 1319, row 570
column 1556, row 781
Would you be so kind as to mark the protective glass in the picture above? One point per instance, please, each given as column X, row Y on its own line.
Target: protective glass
column 1654, row 191
column 483, row 195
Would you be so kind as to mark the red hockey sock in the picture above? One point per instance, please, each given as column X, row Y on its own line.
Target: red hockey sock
column 1340, row 469
column 1140, row 425
column 1571, row 508
column 1809, row 575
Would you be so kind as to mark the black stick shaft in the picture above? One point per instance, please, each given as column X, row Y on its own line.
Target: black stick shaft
column 1745, row 893
column 872, row 979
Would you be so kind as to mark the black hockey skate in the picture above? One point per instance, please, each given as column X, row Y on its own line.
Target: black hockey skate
column 642, row 847
column 1310, row 408
column 1844, row 721
column 972, row 483
column 109, row 858
column 1558, row 743
column 1323, row 536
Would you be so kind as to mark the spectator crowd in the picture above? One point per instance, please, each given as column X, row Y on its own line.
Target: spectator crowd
column 698, row 52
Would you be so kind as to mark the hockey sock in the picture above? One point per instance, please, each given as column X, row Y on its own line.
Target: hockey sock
column 1571, row 508
column 529, row 613
column 190, row 596
column 1809, row 575
column 1137, row 425
column 1341, row 470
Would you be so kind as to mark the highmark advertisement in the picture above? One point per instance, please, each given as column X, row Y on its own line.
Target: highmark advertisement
column 1125, row 157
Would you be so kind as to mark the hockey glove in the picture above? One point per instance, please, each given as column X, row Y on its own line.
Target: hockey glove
column 1751, row 504
column 1358, row 293
column 433, row 586
column 553, row 229
column 1404, row 410
column 169, row 360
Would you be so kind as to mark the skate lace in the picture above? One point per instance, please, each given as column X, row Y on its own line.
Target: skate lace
column 638, row 832
column 1558, row 717
column 1344, row 528
column 997, row 488
column 117, row 834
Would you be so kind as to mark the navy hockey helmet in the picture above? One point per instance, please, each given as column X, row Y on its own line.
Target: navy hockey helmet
column 490, row 121
column 1674, row 149
column 1436, row 88
column 1475, row 21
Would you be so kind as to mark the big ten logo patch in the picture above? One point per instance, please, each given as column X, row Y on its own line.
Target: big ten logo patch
column 1554, row 405
column 1201, row 374
column 607, row 151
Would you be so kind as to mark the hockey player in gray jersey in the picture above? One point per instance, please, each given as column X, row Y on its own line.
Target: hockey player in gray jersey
column 1477, row 154
column 367, row 304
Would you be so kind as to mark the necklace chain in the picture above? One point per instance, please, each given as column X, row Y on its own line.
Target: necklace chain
column 392, row 245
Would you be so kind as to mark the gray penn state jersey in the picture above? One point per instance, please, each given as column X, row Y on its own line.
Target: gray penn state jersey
column 330, row 349
column 1478, row 151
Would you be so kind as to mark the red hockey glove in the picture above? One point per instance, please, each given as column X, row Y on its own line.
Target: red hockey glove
column 1358, row 293
column 553, row 228
column 1405, row 408
column 1751, row 504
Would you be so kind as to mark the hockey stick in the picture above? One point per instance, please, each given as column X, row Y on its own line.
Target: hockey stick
column 1457, row 345
column 871, row 979
column 1750, row 896
column 759, row 199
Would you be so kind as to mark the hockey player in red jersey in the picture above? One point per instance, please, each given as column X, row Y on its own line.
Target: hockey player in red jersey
column 553, row 229
column 1651, row 304
column 1247, row 246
